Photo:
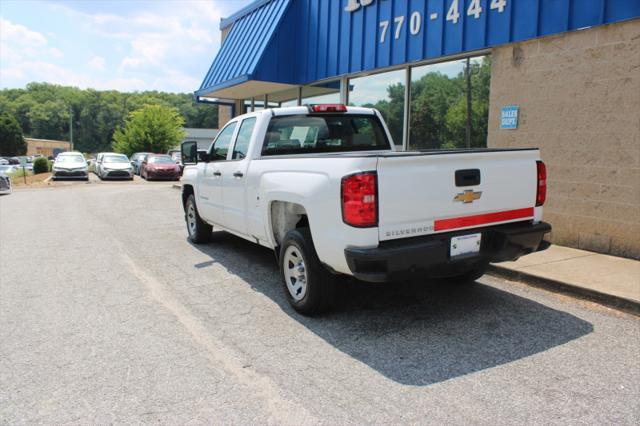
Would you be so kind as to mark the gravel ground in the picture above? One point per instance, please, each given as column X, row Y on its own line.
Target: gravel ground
column 109, row 315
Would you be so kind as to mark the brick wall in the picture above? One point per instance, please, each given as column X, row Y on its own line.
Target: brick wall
column 45, row 146
column 579, row 98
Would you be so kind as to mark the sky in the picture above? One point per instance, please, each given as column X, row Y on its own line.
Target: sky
column 125, row 45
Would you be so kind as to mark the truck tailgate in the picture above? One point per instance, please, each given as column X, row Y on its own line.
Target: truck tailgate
column 418, row 193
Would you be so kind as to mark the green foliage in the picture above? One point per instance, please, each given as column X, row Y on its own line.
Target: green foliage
column 40, row 165
column 49, row 119
column 153, row 128
column 44, row 110
column 11, row 141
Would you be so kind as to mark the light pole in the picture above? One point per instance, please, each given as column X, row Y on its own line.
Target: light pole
column 71, row 126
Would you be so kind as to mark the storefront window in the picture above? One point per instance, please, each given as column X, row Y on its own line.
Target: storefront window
column 384, row 92
column 322, row 93
column 285, row 98
column 440, row 105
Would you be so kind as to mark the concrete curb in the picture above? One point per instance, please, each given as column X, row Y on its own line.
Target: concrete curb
column 612, row 301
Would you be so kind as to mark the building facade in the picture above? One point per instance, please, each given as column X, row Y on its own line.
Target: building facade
column 562, row 75
column 46, row 147
column 203, row 137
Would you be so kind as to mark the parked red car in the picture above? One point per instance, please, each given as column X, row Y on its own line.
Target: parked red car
column 158, row 166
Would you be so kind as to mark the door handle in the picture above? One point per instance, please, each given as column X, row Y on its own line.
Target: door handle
column 238, row 174
column 217, row 173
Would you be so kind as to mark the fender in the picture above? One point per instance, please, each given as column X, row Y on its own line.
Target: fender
column 298, row 187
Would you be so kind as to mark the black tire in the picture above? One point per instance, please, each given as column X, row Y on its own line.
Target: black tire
column 468, row 277
column 198, row 230
column 320, row 284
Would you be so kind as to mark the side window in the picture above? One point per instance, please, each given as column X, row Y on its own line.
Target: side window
column 220, row 147
column 244, row 137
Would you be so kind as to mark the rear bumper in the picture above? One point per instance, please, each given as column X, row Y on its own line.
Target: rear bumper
column 430, row 255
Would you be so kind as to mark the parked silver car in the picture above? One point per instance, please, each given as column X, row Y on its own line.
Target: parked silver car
column 70, row 165
column 114, row 166
column 5, row 181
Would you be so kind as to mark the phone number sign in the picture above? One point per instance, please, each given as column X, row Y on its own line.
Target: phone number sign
column 342, row 37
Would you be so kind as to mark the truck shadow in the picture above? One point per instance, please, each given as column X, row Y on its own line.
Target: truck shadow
column 413, row 333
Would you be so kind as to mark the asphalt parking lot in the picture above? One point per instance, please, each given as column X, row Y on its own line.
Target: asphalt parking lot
column 109, row 315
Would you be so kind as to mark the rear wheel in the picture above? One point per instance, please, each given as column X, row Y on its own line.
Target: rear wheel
column 199, row 231
column 309, row 287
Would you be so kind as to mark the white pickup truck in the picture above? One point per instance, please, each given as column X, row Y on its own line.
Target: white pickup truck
column 324, row 188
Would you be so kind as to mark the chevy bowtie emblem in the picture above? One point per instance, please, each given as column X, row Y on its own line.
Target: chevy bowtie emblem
column 468, row 196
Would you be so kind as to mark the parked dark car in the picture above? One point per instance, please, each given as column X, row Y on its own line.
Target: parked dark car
column 136, row 160
column 158, row 166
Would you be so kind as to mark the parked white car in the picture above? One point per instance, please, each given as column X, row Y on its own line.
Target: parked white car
column 114, row 166
column 70, row 165
column 324, row 188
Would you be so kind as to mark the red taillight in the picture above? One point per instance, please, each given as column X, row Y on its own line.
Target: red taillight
column 359, row 200
column 328, row 108
column 541, row 195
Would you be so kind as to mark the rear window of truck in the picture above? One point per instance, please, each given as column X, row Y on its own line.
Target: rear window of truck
column 308, row 134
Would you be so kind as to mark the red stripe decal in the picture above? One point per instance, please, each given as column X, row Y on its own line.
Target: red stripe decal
column 482, row 219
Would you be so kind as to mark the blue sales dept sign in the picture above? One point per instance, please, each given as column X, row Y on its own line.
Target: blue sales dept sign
column 509, row 117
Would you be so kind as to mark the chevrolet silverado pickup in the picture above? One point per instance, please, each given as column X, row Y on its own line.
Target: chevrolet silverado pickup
column 323, row 186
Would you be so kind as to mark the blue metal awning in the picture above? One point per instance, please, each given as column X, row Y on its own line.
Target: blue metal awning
column 233, row 73
column 276, row 45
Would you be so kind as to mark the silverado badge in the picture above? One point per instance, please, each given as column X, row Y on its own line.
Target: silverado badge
column 468, row 196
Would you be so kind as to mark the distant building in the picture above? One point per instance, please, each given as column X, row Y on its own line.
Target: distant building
column 203, row 137
column 46, row 147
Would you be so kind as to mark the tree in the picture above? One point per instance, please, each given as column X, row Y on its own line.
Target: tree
column 11, row 141
column 152, row 128
column 43, row 109
column 49, row 120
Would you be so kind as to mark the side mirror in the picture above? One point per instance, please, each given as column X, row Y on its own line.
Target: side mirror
column 190, row 154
